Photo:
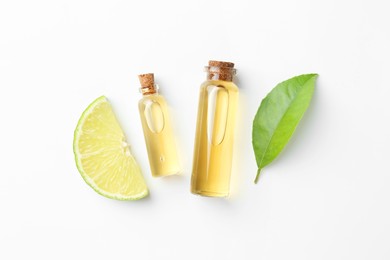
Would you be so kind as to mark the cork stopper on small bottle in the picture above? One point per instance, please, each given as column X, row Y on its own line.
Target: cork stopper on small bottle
column 220, row 70
column 147, row 83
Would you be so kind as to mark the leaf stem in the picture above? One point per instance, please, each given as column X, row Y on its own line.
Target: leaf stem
column 257, row 175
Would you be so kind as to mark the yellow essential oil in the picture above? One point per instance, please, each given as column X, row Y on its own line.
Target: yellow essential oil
column 215, row 131
column 159, row 139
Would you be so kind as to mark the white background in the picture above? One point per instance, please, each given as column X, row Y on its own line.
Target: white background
column 325, row 197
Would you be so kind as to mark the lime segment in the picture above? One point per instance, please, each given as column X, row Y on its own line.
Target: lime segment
column 103, row 157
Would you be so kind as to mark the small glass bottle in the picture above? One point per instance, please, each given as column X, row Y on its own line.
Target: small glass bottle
column 214, row 132
column 160, row 143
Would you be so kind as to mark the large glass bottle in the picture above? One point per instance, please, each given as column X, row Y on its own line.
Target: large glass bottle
column 159, row 139
column 214, row 132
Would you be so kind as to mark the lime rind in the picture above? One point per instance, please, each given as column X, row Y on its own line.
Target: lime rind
column 84, row 175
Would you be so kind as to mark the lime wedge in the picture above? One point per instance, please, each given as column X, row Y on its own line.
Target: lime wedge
column 103, row 156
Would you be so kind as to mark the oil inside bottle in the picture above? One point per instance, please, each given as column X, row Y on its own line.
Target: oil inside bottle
column 214, row 134
column 159, row 138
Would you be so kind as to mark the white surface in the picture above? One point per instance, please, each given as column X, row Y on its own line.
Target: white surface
column 326, row 197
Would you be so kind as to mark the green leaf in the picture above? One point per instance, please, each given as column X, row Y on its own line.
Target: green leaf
column 278, row 116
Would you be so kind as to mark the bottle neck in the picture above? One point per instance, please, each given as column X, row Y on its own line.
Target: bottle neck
column 220, row 73
column 149, row 90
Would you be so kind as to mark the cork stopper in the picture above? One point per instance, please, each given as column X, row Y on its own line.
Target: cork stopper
column 220, row 70
column 215, row 63
column 147, row 83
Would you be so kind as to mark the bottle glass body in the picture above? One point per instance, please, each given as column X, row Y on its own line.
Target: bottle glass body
column 159, row 139
column 214, row 138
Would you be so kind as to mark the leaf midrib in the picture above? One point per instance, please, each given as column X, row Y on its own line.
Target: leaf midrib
column 281, row 119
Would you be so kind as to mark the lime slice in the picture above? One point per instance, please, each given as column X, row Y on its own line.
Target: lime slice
column 103, row 156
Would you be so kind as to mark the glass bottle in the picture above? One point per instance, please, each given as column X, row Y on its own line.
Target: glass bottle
column 214, row 132
column 159, row 139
